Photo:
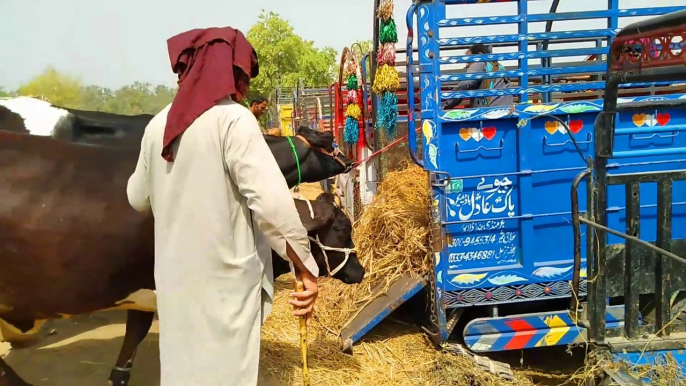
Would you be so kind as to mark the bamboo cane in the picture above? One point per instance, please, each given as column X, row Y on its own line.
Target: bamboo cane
column 303, row 340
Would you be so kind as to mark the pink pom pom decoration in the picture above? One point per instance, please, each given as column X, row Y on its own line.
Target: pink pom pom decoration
column 351, row 97
column 386, row 55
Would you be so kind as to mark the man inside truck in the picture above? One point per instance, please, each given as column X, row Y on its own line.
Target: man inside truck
column 475, row 84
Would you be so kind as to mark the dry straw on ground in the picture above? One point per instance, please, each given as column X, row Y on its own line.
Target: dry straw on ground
column 394, row 353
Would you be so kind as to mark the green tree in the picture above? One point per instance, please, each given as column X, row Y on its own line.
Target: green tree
column 139, row 98
column 4, row 93
column 161, row 97
column 94, row 98
column 361, row 48
column 285, row 57
column 57, row 88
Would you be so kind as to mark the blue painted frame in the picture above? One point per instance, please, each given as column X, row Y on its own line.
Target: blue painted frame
column 544, row 279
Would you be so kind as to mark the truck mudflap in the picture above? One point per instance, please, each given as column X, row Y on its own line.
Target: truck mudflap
column 373, row 313
column 517, row 332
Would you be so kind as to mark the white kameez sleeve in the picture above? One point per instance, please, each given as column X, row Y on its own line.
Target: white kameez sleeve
column 255, row 172
column 138, row 187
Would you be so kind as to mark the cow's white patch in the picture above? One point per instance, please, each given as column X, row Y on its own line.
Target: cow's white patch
column 40, row 117
column 141, row 300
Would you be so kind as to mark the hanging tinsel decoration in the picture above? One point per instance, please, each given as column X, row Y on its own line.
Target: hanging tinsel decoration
column 385, row 11
column 386, row 55
column 352, row 82
column 353, row 112
column 351, row 97
column 386, row 80
column 350, row 68
column 387, row 113
column 388, row 32
column 352, row 130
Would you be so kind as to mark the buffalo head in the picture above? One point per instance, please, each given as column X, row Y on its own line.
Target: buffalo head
column 330, row 232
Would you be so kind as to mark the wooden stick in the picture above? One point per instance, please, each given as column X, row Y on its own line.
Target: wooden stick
column 303, row 339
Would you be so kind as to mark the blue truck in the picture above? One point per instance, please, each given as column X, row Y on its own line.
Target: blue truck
column 561, row 219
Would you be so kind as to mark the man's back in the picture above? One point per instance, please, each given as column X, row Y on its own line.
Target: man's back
column 206, row 262
column 194, row 191
column 494, row 84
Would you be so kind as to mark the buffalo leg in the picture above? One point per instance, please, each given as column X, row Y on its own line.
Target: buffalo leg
column 137, row 326
column 8, row 377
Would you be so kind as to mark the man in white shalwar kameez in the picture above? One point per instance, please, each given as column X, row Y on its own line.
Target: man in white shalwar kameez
column 214, row 188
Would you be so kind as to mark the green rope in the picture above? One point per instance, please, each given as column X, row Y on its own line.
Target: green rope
column 297, row 160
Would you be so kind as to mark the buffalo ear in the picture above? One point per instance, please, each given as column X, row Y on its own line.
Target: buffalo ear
column 318, row 139
column 328, row 199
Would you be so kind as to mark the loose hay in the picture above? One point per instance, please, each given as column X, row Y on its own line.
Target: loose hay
column 391, row 238
column 666, row 371
column 392, row 354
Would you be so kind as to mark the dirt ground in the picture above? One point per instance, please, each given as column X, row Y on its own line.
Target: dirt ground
column 82, row 351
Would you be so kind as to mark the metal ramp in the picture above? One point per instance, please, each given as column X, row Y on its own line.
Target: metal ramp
column 379, row 308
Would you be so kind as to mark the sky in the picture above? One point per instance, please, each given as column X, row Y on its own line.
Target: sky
column 114, row 43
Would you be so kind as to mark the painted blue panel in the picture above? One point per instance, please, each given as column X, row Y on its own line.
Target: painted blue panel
column 562, row 35
column 516, row 332
column 507, row 211
column 477, row 1
column 652, row 359
column 521, row 232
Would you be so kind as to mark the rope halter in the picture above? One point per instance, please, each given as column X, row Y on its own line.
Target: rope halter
column 324, row 248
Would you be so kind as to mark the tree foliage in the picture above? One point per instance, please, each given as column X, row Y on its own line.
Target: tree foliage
column 5, row 93
column 285, row 57
column 361, row 48
column 59, row 89
column 64, row 90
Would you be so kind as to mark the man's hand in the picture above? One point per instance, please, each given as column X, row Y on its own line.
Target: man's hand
column 303, row 302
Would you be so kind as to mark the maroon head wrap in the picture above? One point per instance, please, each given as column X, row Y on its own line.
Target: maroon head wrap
column 212, row 64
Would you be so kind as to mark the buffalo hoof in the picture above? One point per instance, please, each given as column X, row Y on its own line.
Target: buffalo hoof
column 119, row 377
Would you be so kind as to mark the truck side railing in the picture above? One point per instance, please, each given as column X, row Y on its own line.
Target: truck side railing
column 640, row 53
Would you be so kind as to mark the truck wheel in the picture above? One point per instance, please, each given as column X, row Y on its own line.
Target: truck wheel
column 678, row 307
